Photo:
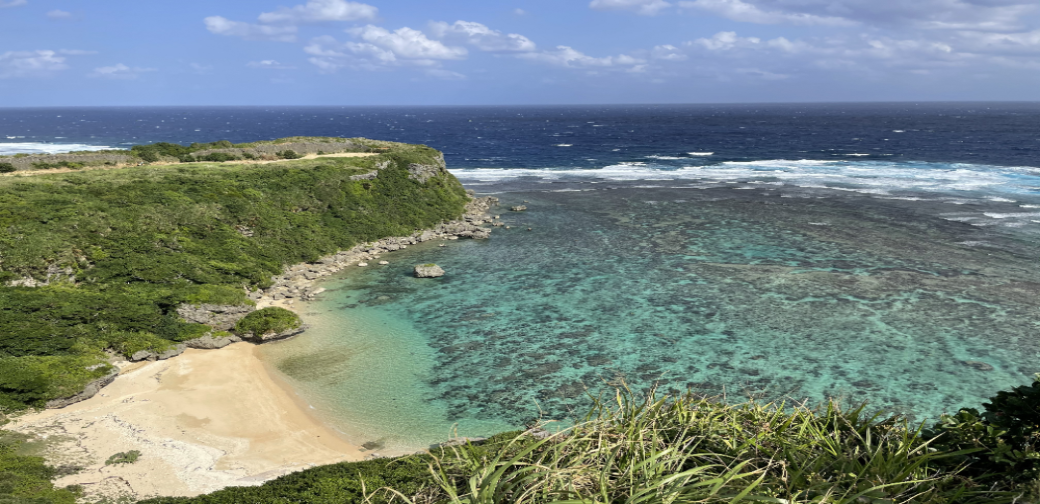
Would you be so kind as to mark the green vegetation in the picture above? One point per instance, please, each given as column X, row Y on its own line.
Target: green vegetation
column 24, row 478
column 7, row 168
column 60, row 164
column 266, row 321
column 120, row 250
column 288, row 154
column 685, row 449
column 124, row 458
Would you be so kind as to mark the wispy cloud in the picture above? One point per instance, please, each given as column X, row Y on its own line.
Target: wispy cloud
column 119, row 72
column 11, row 3
column 481, row 37
column 745, row 12
column 643, row 7
column 566, row 56
column 59, row 14
column 43, row 63
column 317, row 11
column 269, row 65
column 222, row 26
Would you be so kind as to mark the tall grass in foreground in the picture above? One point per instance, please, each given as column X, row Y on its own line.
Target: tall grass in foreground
column 689, row 449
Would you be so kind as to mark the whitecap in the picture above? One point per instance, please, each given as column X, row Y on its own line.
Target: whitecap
column 700, row 153
column 564, row 145
column 9, row 148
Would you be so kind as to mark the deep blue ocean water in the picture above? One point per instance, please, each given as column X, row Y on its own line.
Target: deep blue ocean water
column 885, row 253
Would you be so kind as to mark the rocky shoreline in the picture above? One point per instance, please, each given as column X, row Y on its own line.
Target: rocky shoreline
column 299, row 281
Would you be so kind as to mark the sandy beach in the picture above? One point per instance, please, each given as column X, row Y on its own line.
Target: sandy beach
column 202, row 421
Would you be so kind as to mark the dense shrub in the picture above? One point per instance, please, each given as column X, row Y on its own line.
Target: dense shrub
column 288, row 154
column 218, row 157
column 7, row 168
column 1001, row 443
column 60, row 164
column 266, row 321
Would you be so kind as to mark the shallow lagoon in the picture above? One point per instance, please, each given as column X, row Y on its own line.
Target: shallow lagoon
column 777, row 293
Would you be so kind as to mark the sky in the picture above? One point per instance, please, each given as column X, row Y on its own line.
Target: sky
column 489, row 52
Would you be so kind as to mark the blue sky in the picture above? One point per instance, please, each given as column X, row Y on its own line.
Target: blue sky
column 407, row 52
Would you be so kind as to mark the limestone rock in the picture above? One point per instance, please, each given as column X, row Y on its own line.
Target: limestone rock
column 219, row 317
column 89, row 391
column 428, row 271
column 153, row 356
column 209, row 342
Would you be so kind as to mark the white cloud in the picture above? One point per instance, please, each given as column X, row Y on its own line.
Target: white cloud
column 569, row 57
column 738, row 10
column 269, row 65
column 223, row 26
column 407, row 43
column 59, row 14
column 519, row 12
column 481, row 37
column 667, row 52
column 30, row 64
column 12, row 3
column 119, row 72
column 316, row 11
column 643, row 7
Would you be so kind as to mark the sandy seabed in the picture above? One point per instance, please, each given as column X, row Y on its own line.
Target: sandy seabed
column 203, row 421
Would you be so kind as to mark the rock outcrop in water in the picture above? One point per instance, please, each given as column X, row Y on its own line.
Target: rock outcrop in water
column 428, row 271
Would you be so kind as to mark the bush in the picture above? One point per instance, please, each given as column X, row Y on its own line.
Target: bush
column 1003, row 442
column 288, row 154
column 124, row 458
column 7, row 168
column 267, row 321
column 218, row 157
column 248, row 155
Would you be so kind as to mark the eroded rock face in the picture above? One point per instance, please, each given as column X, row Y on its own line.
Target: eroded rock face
column 89, row 391
column 428, row 271
column 422, row 172
column 209, row 342
column 219, row 317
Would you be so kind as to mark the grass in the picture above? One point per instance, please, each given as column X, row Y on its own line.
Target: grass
column 667, row 450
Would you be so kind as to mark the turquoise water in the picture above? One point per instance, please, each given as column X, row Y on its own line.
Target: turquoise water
column 791, row 294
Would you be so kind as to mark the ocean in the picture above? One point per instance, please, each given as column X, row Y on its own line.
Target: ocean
column 878, row 253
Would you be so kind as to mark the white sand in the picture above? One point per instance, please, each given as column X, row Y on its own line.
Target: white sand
column 202, row 421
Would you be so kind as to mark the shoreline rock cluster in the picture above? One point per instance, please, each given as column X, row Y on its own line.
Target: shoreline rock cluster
column 299, row 281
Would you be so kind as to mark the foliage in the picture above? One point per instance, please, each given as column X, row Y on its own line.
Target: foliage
column 1004, row 441
column 60, row 164
column 7, row 168
column 218, row 157
column 268, row 320
column 131, row 245
column 675, row 449
column 124, row 458
column 33, row 380
column 288, row 154
column 25, row 478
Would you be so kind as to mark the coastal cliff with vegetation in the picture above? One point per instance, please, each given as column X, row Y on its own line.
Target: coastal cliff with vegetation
column 101, row 264
column 136, row 255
